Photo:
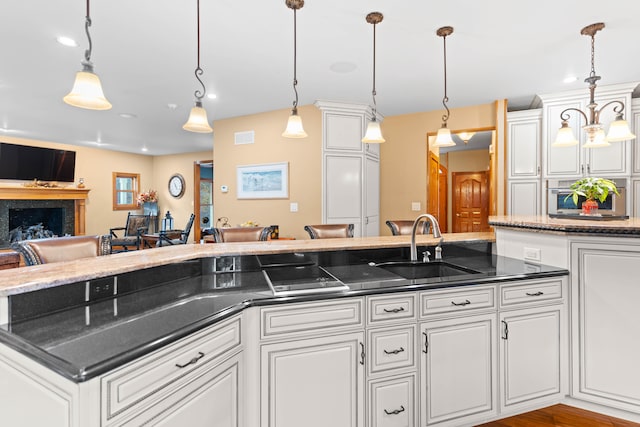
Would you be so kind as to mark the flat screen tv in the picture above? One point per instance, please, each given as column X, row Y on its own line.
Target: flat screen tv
column 28, row 163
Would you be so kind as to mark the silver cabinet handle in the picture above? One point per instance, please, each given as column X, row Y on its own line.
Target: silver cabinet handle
column 395, row 411
column 400, row 350
column 461, row 304
column 393, row 310
column 192, row 361
column 535, row 294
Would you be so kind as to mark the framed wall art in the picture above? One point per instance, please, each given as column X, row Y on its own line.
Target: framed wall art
column 267, row 181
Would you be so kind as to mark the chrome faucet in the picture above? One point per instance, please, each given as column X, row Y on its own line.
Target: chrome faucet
column 434, row 226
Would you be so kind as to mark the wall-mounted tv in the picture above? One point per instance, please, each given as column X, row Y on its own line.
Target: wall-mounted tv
column 28, row 163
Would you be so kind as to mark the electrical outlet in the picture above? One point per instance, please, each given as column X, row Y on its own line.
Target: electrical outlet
column 100, row 289
column 293, row 207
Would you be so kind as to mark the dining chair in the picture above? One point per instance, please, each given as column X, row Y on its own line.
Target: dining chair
column 404, row 227
column 164, row 239
column 134, row 228
column 329, row 231
column 240, row 234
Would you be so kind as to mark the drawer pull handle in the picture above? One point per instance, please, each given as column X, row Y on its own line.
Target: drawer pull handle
column 395, row 411
column 537, row 294
column 394, row 310
column 362, row 355
column 426, row 343
column 460, row 304
column 505, row 331
column 192, row 361
column 400, row 350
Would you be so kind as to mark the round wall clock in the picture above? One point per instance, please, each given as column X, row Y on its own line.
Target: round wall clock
column 176, row 185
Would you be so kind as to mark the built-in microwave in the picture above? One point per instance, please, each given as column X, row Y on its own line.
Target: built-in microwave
column 558, row 204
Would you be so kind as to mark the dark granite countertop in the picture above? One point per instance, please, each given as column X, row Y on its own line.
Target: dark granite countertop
column 159, row 305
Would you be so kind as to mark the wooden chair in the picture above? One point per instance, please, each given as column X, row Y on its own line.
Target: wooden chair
column 163, row 239
column 402, row 227
column 9, row 259
column 136, row 226
column 329, row 231
column 68, row 248
column 239, row 234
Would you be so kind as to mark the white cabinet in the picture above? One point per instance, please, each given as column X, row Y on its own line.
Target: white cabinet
column 605, row 318
column 575, row 161
column 351, row 169
column 633, row 116
column 458, row 376
column 524, row 195
column 392, row 401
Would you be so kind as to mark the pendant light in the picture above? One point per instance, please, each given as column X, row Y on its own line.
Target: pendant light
column 294, row 125
column 87, row 90
column 619, row 128
column 198, row 121
column 443, row 139
column 374, row 133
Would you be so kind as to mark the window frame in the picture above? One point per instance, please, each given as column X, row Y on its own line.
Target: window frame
column 136, row 188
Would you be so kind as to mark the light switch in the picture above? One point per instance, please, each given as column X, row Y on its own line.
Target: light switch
column 415, row 206
column 293, row 207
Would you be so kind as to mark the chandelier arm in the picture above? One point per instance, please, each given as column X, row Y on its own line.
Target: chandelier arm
column 564, row 116
column 87, row 24
column 618, row 109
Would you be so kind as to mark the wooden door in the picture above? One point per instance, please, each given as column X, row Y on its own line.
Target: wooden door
column 437, row 191
column 470, row 201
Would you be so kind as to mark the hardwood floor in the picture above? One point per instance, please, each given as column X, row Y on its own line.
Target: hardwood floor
column 561, row 416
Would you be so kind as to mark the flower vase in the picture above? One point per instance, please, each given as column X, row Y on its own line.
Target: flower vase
column 150, row 208
column 590, row 207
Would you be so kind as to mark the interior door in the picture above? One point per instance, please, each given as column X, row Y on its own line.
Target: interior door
column 470, row 201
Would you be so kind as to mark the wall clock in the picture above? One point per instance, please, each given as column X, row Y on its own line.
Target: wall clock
column 176, row 185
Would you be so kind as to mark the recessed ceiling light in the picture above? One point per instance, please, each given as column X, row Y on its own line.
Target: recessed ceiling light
column 172, row 106
column 212, row 96
column 128, row 116
column 144, row 148
column 67, row 41
column 570, row 79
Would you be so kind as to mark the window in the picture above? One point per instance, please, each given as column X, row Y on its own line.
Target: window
column 125, row 191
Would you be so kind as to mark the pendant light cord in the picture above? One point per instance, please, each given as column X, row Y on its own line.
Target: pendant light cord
column 87, row 24
column 445, row 117
column 295, row 80
column 198, row 72
column 373, row 91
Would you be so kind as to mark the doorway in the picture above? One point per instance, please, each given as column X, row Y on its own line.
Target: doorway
column 203, row 196
column 470, row 201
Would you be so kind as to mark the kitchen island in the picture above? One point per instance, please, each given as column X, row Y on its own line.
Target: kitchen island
column 603, row 257
column 187, row 334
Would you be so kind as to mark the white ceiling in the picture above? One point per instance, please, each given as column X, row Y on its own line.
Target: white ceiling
column 145, row 54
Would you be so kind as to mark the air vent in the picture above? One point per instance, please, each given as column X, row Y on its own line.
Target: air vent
column 244, row 137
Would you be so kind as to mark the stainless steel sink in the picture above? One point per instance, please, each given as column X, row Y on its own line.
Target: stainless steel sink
column 424, row 270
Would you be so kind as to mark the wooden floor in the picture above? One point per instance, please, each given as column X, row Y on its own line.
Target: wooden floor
column 560, row 415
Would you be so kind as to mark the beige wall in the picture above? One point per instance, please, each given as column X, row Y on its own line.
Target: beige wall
column 96, row 166
column 403, row 158
column 305, row 169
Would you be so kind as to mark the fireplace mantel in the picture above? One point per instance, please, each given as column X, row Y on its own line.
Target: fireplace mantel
column 79, row 195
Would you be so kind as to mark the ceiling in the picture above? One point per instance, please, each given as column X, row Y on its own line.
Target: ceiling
column 145, row 54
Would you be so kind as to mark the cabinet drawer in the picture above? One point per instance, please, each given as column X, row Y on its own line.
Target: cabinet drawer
column 310, row 317
column 391, row 348
column 533, row 292
column 468, row 299
column 389, row 309
column 392, row 402
column 144, row 381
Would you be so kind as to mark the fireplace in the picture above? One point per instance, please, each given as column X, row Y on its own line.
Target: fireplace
column 62, row 209
column 49, row 221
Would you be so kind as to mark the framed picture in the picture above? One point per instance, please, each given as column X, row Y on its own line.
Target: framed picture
column 267, row 181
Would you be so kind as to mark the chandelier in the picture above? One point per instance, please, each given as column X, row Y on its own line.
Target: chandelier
column 619, row 128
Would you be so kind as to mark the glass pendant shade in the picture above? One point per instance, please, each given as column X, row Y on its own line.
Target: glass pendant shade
column 466, row 136
column 294, row 127
column 443, row 139
column 373, row 134
column 87, row 92
column 565, row 137
column 619, row 131
column 595, row 138
column 198, row 121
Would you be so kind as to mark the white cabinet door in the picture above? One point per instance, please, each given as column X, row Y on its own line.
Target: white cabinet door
column 343, row 190
column 524, row 197
column 392, row 402
column 524, row 144
column 211, row 398
column 605, row 319
column 633, row 117
column 530, row 350
column 371, row 197
column 459, row 370
column 562, row 161
column 314, row 382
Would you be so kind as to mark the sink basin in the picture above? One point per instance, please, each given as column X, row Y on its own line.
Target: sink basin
column 423, row 270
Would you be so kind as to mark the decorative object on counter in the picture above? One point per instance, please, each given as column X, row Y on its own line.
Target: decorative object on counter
column 150, row 196
column 87, row 89
column 167, row 222
column 374, row 133
column 294, row 124
column 198, row 121
column 249, row 223
column 80, row 183
column 176, row 185
column 224, row 220
column 619, row 128
column 443, row 139
column 591, row 189
column 36, row 183
column 275, row 232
